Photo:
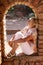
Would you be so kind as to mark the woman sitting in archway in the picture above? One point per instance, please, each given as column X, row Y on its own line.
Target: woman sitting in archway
column 24, row 41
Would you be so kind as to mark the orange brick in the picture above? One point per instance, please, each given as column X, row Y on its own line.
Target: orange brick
column 40, row 54
column 40, row 27
column 7, row 63
column 41, row 37
column 16, row 62
column 41, row 50
column 40, row 41
column 40, row 16
column 40, row 45
column 40, row 9
column 23, row 62
column 41, row 21
column 31, row 63
column 40, row 33
column 38, row 63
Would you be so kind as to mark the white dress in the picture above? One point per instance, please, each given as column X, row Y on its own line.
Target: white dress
column 25, row 47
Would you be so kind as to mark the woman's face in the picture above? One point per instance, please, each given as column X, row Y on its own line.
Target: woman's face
column 31, row 23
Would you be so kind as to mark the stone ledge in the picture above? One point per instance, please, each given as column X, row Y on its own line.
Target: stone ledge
column 26, row 58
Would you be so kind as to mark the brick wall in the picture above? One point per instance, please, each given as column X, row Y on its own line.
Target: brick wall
column 37, row 6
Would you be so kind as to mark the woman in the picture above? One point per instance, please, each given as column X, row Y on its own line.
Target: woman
column 24, row 41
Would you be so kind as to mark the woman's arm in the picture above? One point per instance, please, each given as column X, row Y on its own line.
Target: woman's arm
column 21, row 40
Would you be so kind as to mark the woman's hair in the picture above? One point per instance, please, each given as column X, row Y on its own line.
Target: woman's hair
column 34, row 20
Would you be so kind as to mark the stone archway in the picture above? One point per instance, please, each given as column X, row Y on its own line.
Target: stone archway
column 37, row 8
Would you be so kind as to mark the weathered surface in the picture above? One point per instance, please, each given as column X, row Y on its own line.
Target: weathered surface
column 37, row 6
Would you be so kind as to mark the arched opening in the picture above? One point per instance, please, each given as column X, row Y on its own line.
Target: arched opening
column 15, row 20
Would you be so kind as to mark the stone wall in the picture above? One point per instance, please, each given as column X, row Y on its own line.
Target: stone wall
column 37, row 6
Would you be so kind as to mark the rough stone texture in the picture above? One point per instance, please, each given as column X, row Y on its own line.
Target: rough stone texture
column 37, row 6
column 7, row 63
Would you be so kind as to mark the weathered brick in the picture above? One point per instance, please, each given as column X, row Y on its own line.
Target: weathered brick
column 40, row 41
column 40, row 37
column 29, row 59
column 40, row 16
column 0, row 58
column 38, row 63
column 31, row 63
column 40, row 32
column 23, row 62
column 0, row 45
column 40, row 9
column 40, row 27
column 16, row 62
column 40, row 54
column 41, row 63
column 34, row 2
column 41, row 50
column 0, row 36
column 2, row 9
column 0, row 25
column 41, row 21
column 40, row 45
column 7, row 63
